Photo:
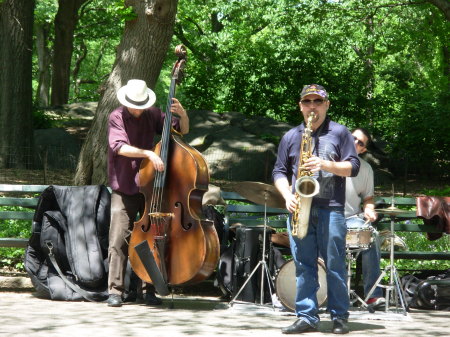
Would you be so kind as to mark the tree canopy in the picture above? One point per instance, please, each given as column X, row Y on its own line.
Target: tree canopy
column 386, row 64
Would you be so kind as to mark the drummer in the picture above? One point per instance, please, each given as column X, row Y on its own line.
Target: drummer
column 360, row 190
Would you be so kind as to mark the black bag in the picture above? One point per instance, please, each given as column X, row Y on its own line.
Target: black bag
column 427, row 291
column 239, row 260
column 66, row 257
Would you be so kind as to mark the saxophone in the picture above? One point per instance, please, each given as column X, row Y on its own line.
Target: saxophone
column 306, row 186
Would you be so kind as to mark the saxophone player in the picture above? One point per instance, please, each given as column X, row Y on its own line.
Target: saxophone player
column 332, row 158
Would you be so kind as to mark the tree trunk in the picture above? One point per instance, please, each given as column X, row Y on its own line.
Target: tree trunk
column 140, row 55
column 65, row 22
column 16, row 118
column 44, row 61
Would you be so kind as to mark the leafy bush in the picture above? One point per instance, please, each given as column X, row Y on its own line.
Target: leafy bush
column 445, row 192
column 13, row 257
column 41, row 120
column 420, row 242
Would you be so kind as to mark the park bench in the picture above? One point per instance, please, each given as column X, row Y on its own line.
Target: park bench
column 248, row 214
column 26, row 198
column 251, row 214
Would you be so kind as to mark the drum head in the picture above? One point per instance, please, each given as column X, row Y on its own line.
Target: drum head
column 286, row 284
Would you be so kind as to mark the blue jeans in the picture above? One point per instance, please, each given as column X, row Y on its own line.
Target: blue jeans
column 370, row 258
column 325, row 238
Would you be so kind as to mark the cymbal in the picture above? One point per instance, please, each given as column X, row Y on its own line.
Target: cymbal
column 260, row 193
column 392, row 210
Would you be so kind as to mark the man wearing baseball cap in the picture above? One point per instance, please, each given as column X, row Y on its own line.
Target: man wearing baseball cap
column 131, row 131
column 333, row 158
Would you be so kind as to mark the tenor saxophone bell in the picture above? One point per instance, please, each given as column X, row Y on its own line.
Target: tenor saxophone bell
column 306, row 186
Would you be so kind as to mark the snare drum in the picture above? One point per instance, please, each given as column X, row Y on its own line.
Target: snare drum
column 286, row 284
column 359, row 238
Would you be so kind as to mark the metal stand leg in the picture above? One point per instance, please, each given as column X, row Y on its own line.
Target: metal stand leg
column 353, row 296
column 394, row 291
column 262, row 263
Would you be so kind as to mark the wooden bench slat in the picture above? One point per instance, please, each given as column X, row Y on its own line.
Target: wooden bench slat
column 10, row 242
column 417, row 255
column 402, row 227
column 254, row 209
column 257, row 222
column 23, row 202
column 16, row 215
column 397, row 201
column 22, row 188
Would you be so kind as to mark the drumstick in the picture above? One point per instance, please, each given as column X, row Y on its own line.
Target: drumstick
column 367, row 221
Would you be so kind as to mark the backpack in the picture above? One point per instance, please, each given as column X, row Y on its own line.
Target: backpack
column 66, row 256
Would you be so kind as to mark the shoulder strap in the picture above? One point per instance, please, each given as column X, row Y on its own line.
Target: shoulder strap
column 70, row 284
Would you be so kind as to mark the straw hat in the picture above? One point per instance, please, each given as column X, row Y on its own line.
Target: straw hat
column 136, row 95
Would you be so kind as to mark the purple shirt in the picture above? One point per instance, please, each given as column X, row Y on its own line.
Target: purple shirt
column 124, row 128
column 336, row 143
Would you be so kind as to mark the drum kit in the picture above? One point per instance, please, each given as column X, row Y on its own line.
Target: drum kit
column 360, row 240
column 285, row 282
column 357, row 241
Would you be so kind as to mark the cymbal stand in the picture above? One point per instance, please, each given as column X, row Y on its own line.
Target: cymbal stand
column 394, row 285
column 262, row 263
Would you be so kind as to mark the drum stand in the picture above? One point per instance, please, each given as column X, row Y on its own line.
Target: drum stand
column 353, row 296
column 262, row 263
column 394, row 285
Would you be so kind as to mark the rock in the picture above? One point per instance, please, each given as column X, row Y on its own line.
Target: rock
column 15, row 283
column 236, row 147
column 56, row 149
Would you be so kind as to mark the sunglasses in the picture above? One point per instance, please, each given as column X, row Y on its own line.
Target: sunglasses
column 316, row 101
column 360, row 143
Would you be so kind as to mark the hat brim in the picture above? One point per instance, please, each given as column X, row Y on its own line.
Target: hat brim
column 121, row 96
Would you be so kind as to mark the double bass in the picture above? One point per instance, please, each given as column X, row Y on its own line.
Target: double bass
column 181, row 245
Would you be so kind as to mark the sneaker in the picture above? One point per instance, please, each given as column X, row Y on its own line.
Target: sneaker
column 151, row 299
column 376, row 302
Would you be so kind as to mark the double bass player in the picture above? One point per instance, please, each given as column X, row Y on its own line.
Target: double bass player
column 131, row 131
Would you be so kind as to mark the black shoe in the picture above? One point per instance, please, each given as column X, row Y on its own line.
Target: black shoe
column 114, row 300
column 340, row 326
column 299, row 326
column 151, row 299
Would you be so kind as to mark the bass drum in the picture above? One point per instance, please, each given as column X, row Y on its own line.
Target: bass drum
column 285, row 284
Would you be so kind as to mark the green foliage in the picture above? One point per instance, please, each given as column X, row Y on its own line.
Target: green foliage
column 12, row 257
column 419, row 242
column 125, row 13
column 444, row 192
column 384, row 63
column 13, row 229
column 99, row 30
column 45, row 11
column 41, row 120
column 383, row 66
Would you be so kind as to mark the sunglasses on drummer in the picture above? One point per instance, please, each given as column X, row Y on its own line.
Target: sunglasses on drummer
column 317, row 101
column 360, row 143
